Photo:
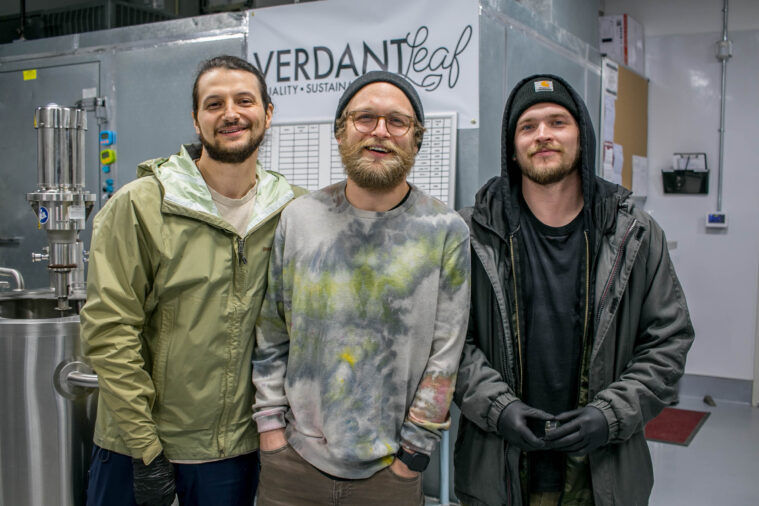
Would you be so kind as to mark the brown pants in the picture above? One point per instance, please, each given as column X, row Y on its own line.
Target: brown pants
column 288, row 480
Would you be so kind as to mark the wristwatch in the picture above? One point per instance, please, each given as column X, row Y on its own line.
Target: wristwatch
column 415, row 461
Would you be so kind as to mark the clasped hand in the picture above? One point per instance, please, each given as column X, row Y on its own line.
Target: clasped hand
column 580, row 431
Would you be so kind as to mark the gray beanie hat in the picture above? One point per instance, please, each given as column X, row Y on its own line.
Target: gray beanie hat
column 375, row 76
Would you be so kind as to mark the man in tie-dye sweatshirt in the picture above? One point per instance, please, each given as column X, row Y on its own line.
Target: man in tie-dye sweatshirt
column 363, row 322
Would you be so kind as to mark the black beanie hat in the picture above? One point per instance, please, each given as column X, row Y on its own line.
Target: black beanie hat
column 535, row 90
column 382, row 76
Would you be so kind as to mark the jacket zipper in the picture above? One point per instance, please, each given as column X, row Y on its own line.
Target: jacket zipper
column 614, row 270
column 585, row 352
column 241, row 252
column 516, row 311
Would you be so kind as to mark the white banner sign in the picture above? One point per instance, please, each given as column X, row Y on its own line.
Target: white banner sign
column 310, row 53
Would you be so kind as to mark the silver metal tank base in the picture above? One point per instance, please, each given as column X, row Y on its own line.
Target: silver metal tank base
column 46, row 433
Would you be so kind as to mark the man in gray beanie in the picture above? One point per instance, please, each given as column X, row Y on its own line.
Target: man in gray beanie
column 578, row 329
column 359, row 339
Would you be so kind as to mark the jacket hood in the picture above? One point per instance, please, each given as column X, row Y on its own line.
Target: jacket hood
column 185, row 191
column 503, row 191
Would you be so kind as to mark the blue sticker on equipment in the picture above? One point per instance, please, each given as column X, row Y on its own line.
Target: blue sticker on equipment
column 44, row 215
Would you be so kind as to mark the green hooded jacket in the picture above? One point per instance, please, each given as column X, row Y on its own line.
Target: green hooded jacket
column 173, row 294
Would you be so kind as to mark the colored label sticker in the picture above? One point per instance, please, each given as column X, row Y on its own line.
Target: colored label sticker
column 44, row 215
column 30, row 75
column 543, row 86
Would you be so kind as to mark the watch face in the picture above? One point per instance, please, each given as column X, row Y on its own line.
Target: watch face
column 415, row 461
column 420, row 462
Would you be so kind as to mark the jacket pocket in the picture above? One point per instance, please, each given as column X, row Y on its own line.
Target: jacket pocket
column 480, row 464
column 162, row 344
column 633, row 474
column 191, row 372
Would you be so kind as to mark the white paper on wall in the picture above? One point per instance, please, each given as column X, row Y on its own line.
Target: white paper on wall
column 640, row 176
column 609, row 116
column 608, row 160
column 307, row 155
column 619, row 160
column 610, row 76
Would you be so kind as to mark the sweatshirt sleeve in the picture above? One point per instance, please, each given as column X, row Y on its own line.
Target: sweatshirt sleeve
column 429, row 411
column 120, row 277
column 272, row 344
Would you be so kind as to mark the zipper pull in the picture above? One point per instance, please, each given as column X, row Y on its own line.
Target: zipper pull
column 240, row 255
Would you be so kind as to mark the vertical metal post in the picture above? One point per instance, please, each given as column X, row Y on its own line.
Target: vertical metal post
column 724, row 52
column 445, row 478
column 23, row 20
column 755, row 390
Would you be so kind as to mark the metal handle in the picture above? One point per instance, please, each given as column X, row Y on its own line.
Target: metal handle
column 82, row 379
column 16, row 276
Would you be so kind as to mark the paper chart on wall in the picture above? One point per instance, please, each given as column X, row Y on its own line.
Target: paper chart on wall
column 307, row 155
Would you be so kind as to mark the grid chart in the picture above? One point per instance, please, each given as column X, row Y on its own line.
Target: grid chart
column 307, row 155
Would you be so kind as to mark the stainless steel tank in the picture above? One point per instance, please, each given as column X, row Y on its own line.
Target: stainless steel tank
column 47, row 401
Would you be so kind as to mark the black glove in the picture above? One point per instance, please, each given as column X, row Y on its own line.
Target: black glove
column 581, row 431
column 512, row 425
column 153, row 483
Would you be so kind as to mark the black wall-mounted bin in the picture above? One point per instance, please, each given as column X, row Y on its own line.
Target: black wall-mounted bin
column 685, row 181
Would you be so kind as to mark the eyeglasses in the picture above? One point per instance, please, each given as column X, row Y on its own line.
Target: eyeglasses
column 397, row 124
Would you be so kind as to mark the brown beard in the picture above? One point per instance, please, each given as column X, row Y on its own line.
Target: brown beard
column 550, row 176
column 236, row 155
column 367, row 174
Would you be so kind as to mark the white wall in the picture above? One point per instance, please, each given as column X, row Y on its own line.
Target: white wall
column 718, row 270
column 668, row 17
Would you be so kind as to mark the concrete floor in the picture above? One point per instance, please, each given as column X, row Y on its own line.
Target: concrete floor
column 721, row 465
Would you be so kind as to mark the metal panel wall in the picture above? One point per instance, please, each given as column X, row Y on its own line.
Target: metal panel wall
column 153, row 94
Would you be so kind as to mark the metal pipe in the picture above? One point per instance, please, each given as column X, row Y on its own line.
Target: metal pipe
column 23, row 20
column 724, row 52
column 445, row 457
column 16, row 276
column 82, row 379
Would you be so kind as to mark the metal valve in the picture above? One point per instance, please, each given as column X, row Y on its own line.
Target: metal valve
column 42, row 257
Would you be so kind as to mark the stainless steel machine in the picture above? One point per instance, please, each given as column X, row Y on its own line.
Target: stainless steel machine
column 61, row 203
column 46, row 392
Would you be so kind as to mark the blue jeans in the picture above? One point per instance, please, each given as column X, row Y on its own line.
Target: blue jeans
column 228, row 482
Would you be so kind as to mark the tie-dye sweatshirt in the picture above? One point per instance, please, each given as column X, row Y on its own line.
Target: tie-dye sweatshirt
column 361, row 329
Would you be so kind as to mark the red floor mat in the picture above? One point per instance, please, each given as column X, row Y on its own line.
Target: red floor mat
column 676, row 426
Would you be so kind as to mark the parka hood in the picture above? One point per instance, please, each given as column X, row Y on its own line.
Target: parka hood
column 185, row 191
column 503, row 191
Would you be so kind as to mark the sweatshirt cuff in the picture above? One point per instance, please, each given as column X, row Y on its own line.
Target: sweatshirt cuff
column 270, row 419
column 418, row 439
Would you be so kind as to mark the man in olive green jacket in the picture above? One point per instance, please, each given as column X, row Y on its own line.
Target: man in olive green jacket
column 176, row 278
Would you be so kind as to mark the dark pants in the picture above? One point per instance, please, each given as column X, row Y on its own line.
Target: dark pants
column 288, row 480
column 228, row 482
